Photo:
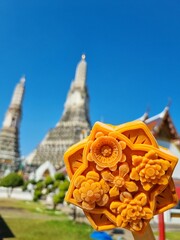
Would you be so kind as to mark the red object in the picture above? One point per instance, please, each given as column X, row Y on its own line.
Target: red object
column 178, row 191
column 161, row 226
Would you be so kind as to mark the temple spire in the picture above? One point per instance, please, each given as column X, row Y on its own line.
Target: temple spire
column 80, row 76
column 77, row 95
column 9, row 134
column 18, row 92
column 72, row 126
column 13, row 114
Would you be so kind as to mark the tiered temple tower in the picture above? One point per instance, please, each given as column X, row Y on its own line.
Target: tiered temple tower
column 9, row 134
column 73, row 125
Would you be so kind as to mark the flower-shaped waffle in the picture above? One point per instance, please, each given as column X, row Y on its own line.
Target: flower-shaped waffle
column 119, row 175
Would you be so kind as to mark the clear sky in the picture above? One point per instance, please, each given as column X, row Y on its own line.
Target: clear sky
column 132, row 50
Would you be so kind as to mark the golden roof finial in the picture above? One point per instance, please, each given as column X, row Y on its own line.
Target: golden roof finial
column 169, row 102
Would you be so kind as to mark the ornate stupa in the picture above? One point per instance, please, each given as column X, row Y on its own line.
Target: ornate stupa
column 9, row 134
column 73, row 125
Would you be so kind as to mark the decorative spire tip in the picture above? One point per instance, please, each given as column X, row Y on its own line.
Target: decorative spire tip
column 23, row 79
column 169, row 102
column 83, row 56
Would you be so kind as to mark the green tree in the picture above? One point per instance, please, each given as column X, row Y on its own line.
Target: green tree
column 59, row 176
column 39, row 185
column 48, row 181
column 56, row 184
column 63, row 186
column 58, row 198
column 11, row 181
column 37, row 195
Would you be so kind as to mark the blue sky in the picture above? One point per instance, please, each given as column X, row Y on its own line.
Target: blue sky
column 132, row 50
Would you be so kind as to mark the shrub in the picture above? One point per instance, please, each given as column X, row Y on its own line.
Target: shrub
column 59, row 176
column 63, row 186
column 11, row 181
column 61, row 195
column 58, row 198
column 56, row 184
column 37, row 195
column 49, row 180
column 39, row 185
column 32, row 181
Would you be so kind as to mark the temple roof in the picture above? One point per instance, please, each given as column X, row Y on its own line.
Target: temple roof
column 163, row 129
column 162, row 126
